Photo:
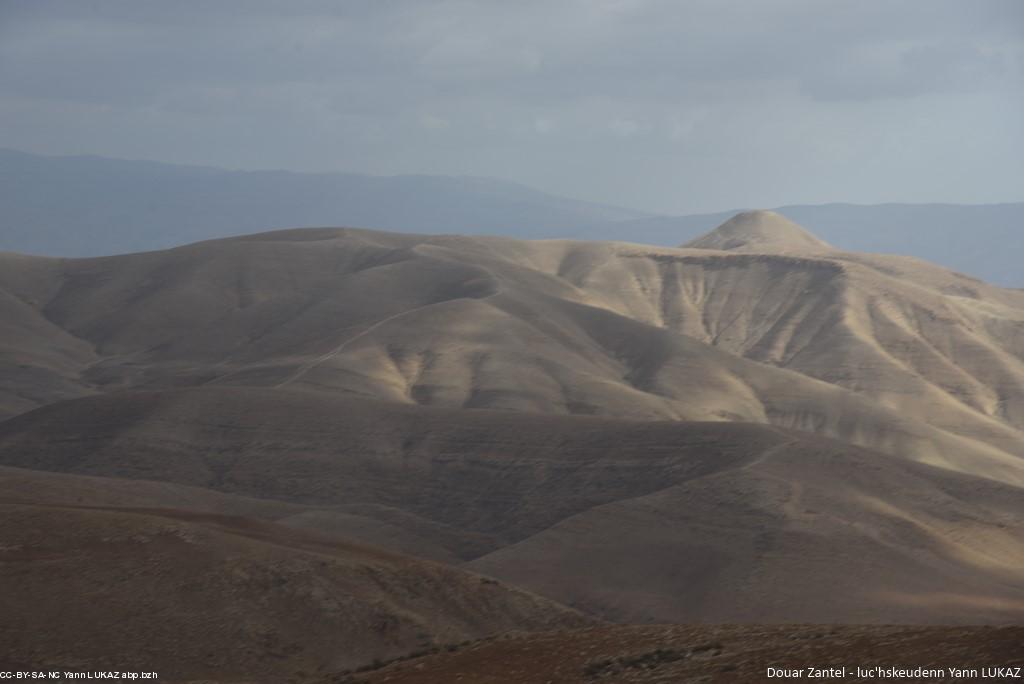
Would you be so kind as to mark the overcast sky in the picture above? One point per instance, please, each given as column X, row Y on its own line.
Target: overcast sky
column 666, row 105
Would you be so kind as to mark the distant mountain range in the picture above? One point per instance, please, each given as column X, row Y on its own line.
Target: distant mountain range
column 90, row 206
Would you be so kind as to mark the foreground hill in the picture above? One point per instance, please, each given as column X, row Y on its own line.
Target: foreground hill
column 886, row 352
column 197, row 595
column 655, row 655
column 627, row 520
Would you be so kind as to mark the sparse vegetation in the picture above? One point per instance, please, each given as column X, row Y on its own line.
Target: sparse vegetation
column 379, row 663
column 643, row 661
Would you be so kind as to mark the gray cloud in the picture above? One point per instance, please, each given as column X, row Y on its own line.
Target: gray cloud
column 659, row 104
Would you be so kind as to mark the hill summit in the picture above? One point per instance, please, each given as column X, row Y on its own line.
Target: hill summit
column 755, row 231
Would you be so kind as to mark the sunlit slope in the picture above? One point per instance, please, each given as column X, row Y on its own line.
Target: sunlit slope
column 886, row 352
column 921, row 341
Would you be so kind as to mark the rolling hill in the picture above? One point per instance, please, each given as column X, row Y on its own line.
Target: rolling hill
column 885, row 352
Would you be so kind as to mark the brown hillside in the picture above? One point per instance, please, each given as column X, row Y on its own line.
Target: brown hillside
column 203, row 596
column 631, row 520
column 664, row 654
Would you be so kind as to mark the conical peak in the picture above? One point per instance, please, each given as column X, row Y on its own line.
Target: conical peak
column 757, row 231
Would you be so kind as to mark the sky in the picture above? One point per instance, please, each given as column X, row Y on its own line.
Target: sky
column 669, row 106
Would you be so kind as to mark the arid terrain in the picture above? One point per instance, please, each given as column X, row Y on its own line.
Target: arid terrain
column 670, row 654
column 300, row 455
column 770, row 327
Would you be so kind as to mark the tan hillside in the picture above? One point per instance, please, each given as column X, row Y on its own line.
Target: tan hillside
column 629, row 520
column 884, row 352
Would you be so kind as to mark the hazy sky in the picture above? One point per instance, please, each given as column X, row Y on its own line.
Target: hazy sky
column 666, row 105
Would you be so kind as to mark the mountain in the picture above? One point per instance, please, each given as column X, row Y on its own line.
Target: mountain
column 889, row 353
column 957, row 236
column 85, row 206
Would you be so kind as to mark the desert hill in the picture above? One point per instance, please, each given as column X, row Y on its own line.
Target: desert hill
column 627, row 520
column 886, row 352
